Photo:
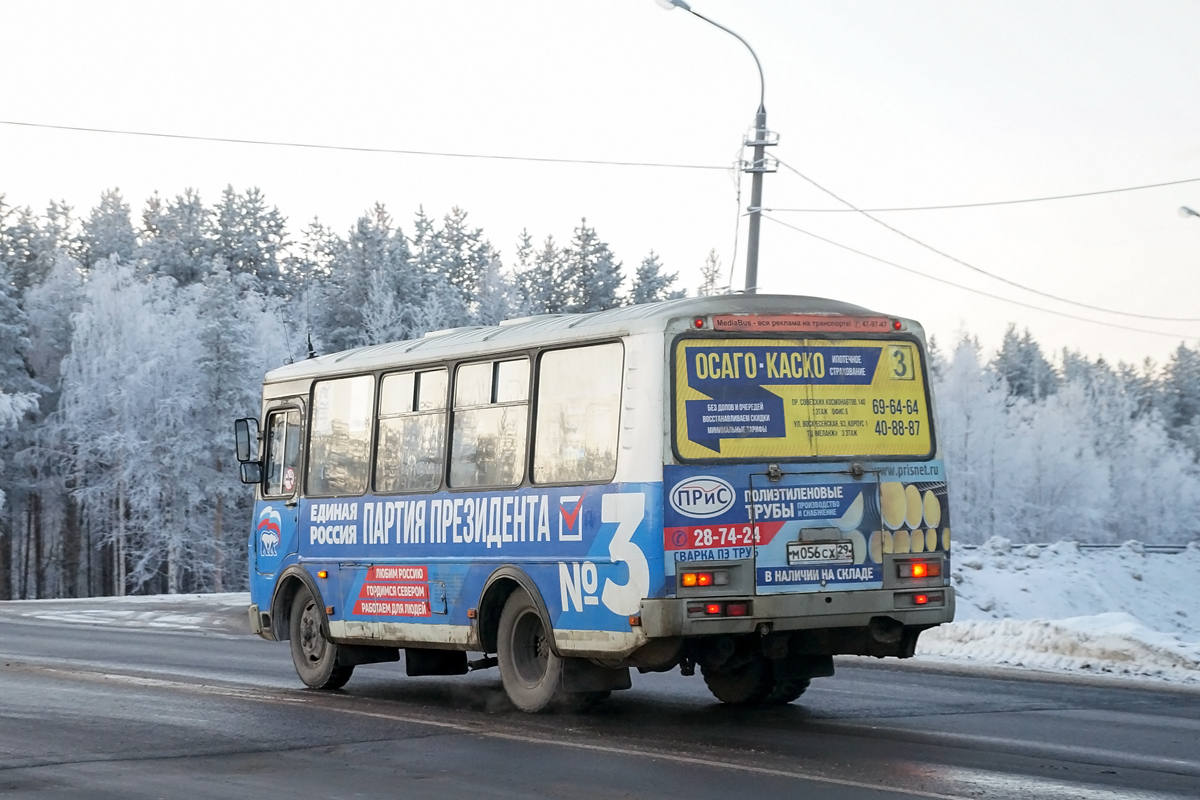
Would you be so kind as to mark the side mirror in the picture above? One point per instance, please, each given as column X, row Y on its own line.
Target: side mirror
column 251, row 472
column 245, row 434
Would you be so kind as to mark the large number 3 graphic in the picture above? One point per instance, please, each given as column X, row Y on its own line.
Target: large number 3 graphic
column 627, row 511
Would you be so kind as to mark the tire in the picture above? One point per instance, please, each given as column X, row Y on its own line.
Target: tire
column 315, row 656
column 749, row 684
column 786, row 690
column 529, row 669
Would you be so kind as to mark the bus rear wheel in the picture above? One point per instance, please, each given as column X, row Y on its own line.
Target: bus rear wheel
column 749, row 683
column 529, row 669
column 315, row 656
column 786, row 690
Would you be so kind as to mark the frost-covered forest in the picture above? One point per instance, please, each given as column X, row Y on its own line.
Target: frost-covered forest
column 129, row 342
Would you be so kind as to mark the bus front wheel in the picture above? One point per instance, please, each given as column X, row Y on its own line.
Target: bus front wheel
column 315, row 656
column 529, row 669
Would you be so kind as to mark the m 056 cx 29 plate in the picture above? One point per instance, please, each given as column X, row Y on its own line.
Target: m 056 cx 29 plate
column 836, row 552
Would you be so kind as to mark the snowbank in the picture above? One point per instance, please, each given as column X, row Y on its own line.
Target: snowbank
column 1122, row 611
column 219, row 613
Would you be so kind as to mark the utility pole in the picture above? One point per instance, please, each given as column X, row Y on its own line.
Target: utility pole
column 756, row 167
column 760, row 140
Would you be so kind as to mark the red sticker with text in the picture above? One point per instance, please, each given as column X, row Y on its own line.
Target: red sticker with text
column 397, row 573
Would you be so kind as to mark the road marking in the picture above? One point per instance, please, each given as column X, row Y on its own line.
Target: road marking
column 336, row 703
column 976, row 779
column 1079, row 754
column 646, row 753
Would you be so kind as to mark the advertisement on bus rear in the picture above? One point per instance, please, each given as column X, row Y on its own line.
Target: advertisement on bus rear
column 806, row 531
column 741, row 398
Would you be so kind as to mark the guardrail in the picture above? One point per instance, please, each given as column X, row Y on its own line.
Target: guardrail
column 1164, row 549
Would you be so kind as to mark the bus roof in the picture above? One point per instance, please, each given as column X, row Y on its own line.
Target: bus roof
column 552, row 329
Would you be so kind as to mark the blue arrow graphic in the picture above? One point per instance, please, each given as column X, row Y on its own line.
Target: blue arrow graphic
column 735, row 412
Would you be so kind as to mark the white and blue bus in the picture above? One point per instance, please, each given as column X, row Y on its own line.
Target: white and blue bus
column 748, row 484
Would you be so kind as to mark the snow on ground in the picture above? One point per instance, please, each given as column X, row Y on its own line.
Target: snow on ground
column 1121, row 611
column 224, row 612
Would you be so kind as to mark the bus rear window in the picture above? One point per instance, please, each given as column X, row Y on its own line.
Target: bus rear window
column 800, row 398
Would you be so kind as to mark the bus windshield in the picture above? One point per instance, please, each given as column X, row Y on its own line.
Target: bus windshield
column 804, row 397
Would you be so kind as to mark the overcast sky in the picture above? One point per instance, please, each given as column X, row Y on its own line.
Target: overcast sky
column 886, row 104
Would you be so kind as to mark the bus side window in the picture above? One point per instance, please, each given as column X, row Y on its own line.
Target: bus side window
column 412, row 431
column 283, row 452
column 491, row 419
column 339, row 454
column 578, row 414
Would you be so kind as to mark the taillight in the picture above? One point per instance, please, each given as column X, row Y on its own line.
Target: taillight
column 738, row 609
column 920, row 599
column 718, row 577
column 919, row 569
column 713, row 609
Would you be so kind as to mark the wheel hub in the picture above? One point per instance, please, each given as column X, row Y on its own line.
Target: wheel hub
column 312, row 643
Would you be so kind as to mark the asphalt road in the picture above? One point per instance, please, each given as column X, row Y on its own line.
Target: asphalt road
column 94, row 711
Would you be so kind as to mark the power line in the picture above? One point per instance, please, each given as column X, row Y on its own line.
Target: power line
column 982, row 205
column 980, row 270
column 353, row 149
column 969, row 288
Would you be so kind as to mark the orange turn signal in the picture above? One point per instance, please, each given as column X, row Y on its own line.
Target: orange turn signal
column 322, row 574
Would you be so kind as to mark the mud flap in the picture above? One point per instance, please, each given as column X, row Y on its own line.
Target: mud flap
column 350, row 655
column 424, row 661
column 581, row 675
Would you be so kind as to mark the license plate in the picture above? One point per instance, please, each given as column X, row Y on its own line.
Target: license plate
column 839, row 552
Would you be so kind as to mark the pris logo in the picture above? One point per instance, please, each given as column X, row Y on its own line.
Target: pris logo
column 702, row 496
column 268, row 532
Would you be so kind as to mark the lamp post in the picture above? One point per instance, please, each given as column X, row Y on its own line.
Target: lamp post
column 761, row 139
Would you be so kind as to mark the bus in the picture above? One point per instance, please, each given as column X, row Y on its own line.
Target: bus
column 747, row 484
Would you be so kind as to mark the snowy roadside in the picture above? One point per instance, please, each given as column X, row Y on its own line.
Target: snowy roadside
column 1122, row 612
column 1119, row 612
column 214, row 613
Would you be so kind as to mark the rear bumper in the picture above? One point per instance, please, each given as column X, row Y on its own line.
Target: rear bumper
column 794, row 612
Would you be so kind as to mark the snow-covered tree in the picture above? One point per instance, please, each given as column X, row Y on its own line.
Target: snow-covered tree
column 651, row 284
column 250, row 238
column 178, row 238
column 591, row 274
column 1021, row 363
column 108, row 231
column 372, row 290
column 710, row 276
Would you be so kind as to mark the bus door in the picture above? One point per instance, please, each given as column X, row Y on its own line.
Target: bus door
column 817, row 531
column 275, row 523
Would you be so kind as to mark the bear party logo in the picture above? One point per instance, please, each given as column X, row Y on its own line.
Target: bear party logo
column 268, row 532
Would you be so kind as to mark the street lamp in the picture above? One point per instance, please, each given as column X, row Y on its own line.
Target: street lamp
column 761, row 140
column 1185, row 212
